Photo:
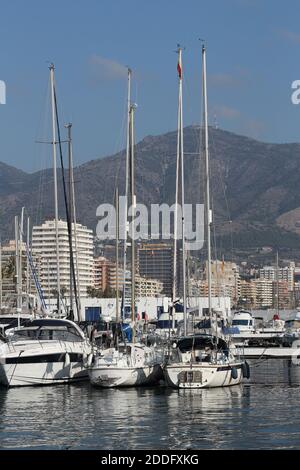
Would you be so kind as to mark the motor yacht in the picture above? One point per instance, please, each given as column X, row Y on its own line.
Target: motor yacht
column 46, row 351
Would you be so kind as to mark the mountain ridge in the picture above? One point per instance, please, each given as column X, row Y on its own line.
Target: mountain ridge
column 254, row 185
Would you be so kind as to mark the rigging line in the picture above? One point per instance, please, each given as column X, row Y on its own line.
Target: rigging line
column 121, row 137
column 202, row 178
column 224, row 193
column 42, row 170
column 195, row 131
column 217, row 283
column 66, row 207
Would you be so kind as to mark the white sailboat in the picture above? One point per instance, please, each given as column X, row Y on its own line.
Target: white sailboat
column 134, row 363
column 128, row 365
column 201, row 361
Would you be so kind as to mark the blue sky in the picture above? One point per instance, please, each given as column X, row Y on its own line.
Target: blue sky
column 253, row 55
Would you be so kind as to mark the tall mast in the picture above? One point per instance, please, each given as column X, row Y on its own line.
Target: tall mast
column 207, row 186
column 277, row 281
column 76, row 278
column 55, row 183
column 48, row 279
column 17, row 269
column 27, row 262
column 176, row 205
column 133, row 205
column 1, row 288
column 20, row 279
column 117, row 253
column 69, row 128
column 126, row 189
column 181, row 156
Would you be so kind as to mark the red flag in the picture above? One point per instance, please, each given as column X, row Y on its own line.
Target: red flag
column 179, row 70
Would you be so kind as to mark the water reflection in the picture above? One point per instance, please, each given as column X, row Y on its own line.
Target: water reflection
column 274, row 371
column 264, row 413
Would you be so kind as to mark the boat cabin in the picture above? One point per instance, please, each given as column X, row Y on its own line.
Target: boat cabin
column 243, row 320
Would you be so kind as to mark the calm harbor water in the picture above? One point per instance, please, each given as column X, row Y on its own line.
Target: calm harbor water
column 261, row 413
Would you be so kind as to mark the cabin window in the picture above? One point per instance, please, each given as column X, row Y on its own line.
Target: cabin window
column 241, row 322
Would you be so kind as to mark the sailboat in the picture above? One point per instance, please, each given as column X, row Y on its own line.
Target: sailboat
column 127, row 363
column 200, row 360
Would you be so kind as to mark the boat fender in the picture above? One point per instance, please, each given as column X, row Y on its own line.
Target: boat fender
column 234, row 373
column 90, row 360
column 246, row 370
column 67, row 360
column 84, row 359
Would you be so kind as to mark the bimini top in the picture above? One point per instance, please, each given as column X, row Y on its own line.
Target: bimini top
column 200, row 342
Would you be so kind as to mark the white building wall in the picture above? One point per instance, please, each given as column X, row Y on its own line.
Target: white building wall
column 150, row 305
column 44, row 246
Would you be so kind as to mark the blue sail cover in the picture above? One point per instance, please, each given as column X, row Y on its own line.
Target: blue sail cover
column 127, row 330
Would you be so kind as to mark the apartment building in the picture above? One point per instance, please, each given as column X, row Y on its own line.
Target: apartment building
column 44, row 247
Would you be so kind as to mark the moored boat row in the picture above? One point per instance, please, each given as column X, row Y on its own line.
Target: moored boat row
column 56, row 351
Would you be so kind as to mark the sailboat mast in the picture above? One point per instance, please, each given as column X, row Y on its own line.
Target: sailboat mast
column 207, row 185
column 20, row 249
column 126, row 190
column 48, row 280
column 180, row 115
column 1, row 282
column 27, row 262
column 277, row 281
column 69, row 128
column 133, row 206
column 55, row 183
column 17, row 262
column 117, row 253
column 76, row 274
column 176, row 206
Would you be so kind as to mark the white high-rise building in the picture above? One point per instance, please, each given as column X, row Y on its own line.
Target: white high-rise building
column 44, row 247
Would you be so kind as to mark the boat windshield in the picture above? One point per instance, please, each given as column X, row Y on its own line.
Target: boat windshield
column 200, row 342
column 47, row 334
column 242, row 322
column 6, row 320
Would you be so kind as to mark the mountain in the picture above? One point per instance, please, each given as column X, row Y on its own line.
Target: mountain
column 255, row 188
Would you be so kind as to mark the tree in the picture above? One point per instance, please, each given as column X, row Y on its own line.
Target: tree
column 108, row 293
column 63, row 291
column 8, row 269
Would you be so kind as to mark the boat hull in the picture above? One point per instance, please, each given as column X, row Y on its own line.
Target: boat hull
column 43, row 362
column 202, row 376
column 110, row 376
column 18, row 375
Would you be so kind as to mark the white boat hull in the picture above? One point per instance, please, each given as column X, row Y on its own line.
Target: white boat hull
column 12, row 375
column 110, row 376
column 202, row 376
column 43, row 363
